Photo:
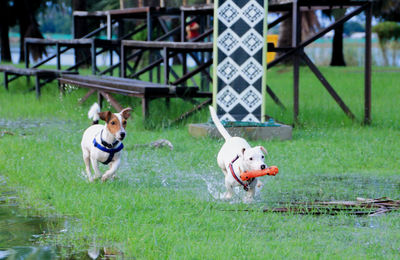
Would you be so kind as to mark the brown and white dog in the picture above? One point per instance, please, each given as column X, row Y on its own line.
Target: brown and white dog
column 103, row 143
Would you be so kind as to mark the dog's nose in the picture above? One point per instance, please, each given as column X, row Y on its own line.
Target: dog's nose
column 262, row 166
column 122, row 135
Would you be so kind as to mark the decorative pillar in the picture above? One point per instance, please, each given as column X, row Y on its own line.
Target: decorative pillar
column 240, row 30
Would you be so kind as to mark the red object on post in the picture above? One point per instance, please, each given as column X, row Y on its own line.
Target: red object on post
column 271, row 171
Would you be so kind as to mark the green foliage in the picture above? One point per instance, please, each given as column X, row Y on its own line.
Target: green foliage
column 352, row 27
column 386, row 10
column 389, row 35
column 55, row 19
column 387, row 31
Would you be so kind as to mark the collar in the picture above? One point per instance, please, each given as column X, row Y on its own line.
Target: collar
column 104, row 143
column 111, row 152
column 245, row 186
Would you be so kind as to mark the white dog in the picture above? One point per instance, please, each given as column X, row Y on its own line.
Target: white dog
column 237, row 156
column 103, row 143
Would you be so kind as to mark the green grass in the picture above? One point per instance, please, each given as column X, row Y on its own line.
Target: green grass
column 165, row 204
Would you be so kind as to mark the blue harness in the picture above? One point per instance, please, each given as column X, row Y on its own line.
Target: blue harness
column 110, row 151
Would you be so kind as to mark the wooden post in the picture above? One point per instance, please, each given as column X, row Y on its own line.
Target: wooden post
column 109, row 27
column 149, row 37
column 93, row 54
column 123, row 65
column 166, row 67
column 6, row 80
column 37, row 86
column 100, row 99
column 183, row 25
column 26, row 45
column 367, row 72
column 111, row 60
column 121, row 4
column 58, row 56
column 145, row 108
column 296, row 38
column 166, row 72
column 183, row 35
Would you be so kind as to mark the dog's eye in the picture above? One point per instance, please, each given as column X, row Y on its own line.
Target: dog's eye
column 262, row 156
column 113, row 123
column 251, row 158
column 124, row 123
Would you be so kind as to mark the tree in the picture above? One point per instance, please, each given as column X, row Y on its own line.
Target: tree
column 21, row 12
column 387, row 10
column 337, row 58
column 5, row 21
column 309, row 25
column 388, row 32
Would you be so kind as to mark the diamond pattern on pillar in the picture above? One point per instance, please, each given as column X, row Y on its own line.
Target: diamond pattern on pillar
column 252, row 42
column 228, row 42
column 251, row 70
column 250, row 118
column 250, row 99
column 227, row 98
column 228, row 70
column 239, row 63
column 228, row 13
column 252, row 13
column 227, row 117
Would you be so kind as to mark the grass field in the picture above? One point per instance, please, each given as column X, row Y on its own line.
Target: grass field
column 167, row 204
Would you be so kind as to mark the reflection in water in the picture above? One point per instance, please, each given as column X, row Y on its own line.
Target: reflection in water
column 19, row 234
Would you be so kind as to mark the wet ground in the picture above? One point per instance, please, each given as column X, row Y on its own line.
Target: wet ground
column 20, row 232
column 23, row 235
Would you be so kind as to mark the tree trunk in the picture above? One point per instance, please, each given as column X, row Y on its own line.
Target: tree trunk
column 285, row 33
column 337, row 48
column 80, row 29
column 28, row 27
column 285, row 37
column 337, row 44
column 4, row 40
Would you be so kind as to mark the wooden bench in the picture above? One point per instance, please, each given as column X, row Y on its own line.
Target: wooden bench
column 107, row 85
column 168, row 50
column 64, row 45
column 42, row 76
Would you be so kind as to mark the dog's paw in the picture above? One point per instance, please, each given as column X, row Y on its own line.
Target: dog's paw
column 104, row 178
column 228, row 196
column 114, row 177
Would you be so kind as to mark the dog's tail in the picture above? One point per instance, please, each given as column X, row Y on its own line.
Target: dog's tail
column 218, row 124
column 94, row 113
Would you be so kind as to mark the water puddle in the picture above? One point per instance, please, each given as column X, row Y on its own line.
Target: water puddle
column 20, row 233
column 23, row 234
column 29, row 126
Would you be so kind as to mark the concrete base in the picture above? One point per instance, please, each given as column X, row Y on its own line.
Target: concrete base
column 282, row 132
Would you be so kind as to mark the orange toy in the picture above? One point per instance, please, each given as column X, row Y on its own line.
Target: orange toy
column 271, row 171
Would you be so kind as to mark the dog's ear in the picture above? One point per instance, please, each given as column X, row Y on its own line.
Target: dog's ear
column 105, row 115
column 263, row 150
column 126, row 113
